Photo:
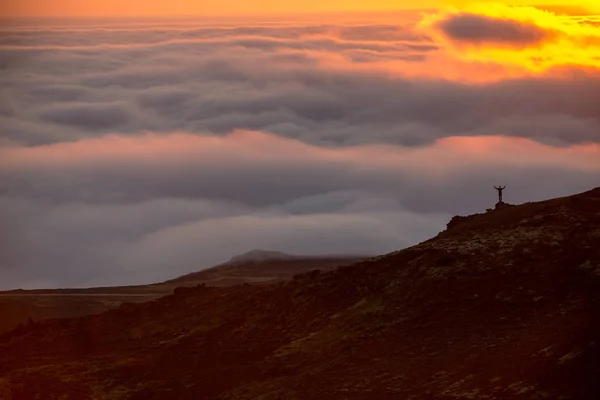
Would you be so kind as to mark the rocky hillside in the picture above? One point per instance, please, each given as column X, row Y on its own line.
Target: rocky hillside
column 501, row 305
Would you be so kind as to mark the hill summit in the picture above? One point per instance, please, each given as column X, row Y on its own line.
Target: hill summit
column 261, row 255
column 500, row 305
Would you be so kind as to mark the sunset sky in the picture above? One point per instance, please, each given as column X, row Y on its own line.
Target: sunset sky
column 136, row 149
column 200, row 7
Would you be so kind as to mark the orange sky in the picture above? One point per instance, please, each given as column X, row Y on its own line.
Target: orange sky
column 207, row 7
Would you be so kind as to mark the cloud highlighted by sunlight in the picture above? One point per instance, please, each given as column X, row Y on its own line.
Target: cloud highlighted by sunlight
column 479, row 29
column 528, row 37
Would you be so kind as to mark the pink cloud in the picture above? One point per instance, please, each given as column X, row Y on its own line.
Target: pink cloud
column 242, row 147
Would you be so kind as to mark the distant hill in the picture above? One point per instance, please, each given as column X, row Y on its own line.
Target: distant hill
column 261, row 255
column 501, row 305
column 254, row 267
column 260, row 266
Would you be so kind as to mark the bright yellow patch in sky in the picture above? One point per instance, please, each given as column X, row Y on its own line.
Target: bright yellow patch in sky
column 570, row 41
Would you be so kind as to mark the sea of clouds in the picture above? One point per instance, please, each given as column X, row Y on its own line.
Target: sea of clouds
column 134, row 151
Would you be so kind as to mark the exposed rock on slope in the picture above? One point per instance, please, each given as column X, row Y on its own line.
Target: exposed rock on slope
column 502, row 305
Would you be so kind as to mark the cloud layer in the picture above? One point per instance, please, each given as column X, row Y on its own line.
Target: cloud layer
column 136, row 151
column 141, row 209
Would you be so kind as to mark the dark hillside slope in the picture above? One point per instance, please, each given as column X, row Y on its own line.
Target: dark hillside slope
column 18, row 306
column 502, row 305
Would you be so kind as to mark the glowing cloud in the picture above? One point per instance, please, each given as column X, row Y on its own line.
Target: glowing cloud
column 527, row 37
column 480, row 29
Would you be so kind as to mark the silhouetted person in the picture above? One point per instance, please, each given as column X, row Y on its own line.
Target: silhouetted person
column 500, row 189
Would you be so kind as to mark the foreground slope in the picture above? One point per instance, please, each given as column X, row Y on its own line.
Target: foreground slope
column 502, row 305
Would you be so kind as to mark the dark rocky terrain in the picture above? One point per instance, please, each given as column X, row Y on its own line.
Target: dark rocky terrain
column 20, row 308
column 501, row 305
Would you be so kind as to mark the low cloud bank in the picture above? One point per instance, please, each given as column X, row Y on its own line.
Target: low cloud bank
column 119, row 209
